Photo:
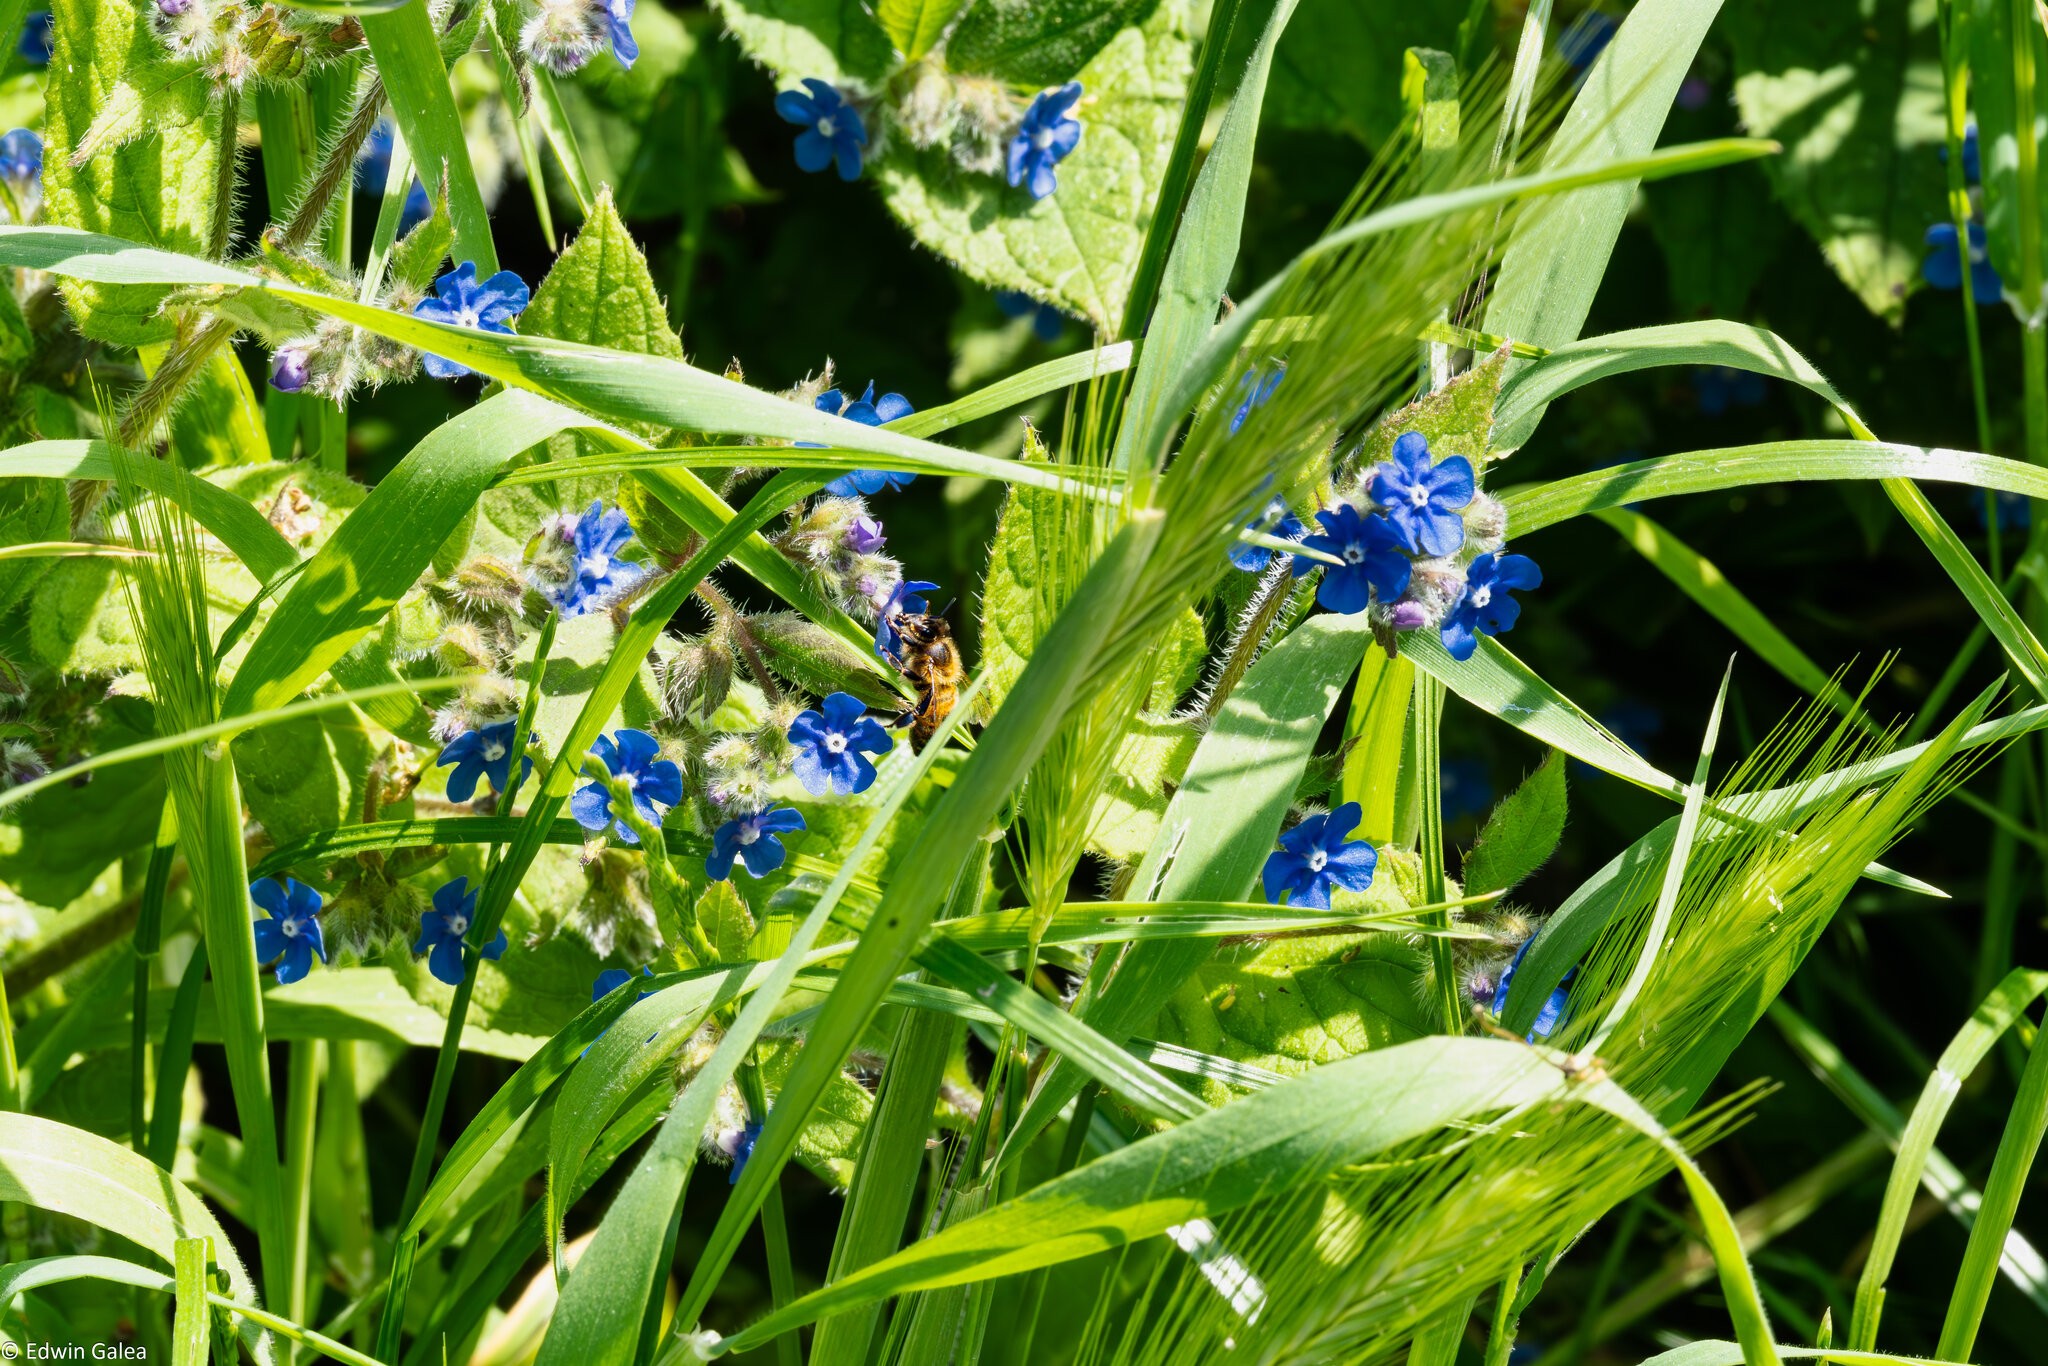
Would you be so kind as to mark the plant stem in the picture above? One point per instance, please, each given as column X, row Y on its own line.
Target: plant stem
column 1955, row 48
column 302, row 1098
column 224, row 183
column 1424, row 717
column 149, row 934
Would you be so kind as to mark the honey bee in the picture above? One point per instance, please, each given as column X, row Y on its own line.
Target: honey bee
column 930, row 660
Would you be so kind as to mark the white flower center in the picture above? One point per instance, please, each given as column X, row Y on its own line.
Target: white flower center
column 1482, row 596
column 290, row 926
column 1418, row 496
column 596, row 566
column 826, row 128
column 748, row 833
column 1317, row 861
column 1353, row 555
column 458, row 924
column 493, row 751
column 468, row 318
column 835, row 744
column 1042, row 140
column 630, row 780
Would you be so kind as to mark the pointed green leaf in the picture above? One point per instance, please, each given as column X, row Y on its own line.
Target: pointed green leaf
column 1522, row 832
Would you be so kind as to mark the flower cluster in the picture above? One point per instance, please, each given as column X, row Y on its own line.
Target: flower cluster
column 563, row 35
column 336, row 356
column 633, row 759
column 235, row 42
column 1426, row 554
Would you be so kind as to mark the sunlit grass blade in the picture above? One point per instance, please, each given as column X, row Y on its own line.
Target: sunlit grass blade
column 408, row 55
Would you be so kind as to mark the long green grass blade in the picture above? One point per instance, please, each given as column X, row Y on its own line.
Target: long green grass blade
column 408, row 55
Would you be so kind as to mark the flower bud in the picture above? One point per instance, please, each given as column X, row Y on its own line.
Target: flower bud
column 19, row 763
column 1486, row 525
column 289, row 368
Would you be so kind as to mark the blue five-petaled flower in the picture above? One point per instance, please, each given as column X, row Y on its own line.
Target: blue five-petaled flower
column 634, row 757
column 1274, row 519
column 485, row 752
column 460, row 301
column 1048, row 133
column 868, row 411
column 906, row 598
column 597, row 573
column 833, row 131
column 1553, row 1008
column 754, row 840
column 833, row 744
column 291, row 933
column 442, row 929
column 1373, row 554
column 1422, row 500
column 1943, row 267
column 1314, row 856
column 1486, row 609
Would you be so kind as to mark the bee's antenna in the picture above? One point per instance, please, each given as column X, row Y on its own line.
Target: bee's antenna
column 948, row 607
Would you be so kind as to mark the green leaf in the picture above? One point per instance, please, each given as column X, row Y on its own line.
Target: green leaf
column 916, row 25
column 1456, row 419
column 218, row 421
column 726, row 923
column 1198, row 267
column 293, row 779
column 1558, row 255
column 835, row 41
column 599, row 291
column 407, row 50
column 416, row 257
column 1522, row 832
column 68, row 1171
column 1992, row 97
column 1149, row 765
column 150, row 175
column 1854, row 93
column 1039, row 42
column 1076, row 248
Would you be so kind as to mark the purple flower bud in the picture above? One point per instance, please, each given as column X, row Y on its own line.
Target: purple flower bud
column 171, row 9
column 1408, row 616
column 288, row 369
column 864, row 536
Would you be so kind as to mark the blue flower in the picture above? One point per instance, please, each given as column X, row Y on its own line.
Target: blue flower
column 1256, row 388
column 753, row 840
column 619, row 17
column 1047, row 134
column 291, row 934
column 1486, row 609
column 1373, row 555
column 483, row 752
column 373, row 168
column 868, row 411
column 905, row 599
column 864, row 536
column 611, row 979
column 832, row 746
column 1973, row 160
column 598, row 574
column 834, row 131
column 634, row 756
column 21, row 156
column 461, row 302
column 1422, row 500
column 742, row 1149
column 442, row 928
column 1313, row 857
column 288, row 369
column 1048, row 322
column 35, row 37
column 1943, row 267
column 1717, row 388
column 1274, row 519
column 1547, row 1019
